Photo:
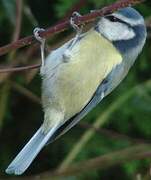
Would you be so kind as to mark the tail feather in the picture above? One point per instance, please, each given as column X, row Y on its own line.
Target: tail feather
column 29, row 152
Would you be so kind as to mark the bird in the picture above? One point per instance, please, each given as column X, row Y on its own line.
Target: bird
column 80, row 73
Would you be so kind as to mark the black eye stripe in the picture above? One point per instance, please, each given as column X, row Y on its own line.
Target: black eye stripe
column 115, row 19
column 112, row 18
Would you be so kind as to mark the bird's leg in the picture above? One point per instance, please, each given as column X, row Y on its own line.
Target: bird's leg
column 42, row 44
column 78, row 29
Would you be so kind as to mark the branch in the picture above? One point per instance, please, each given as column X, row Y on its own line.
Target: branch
column 99, row 122
column 16, row 69
column 25, row 92
column 113, row 134
column 101, row 162
column 104, row 161
column 64, row 25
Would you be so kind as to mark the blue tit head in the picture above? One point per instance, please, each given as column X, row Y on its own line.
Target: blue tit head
column 126, row 30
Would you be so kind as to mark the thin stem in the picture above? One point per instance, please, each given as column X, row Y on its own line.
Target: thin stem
column 25, row 92
column 99, row 122
column 17, row 69
column 19, row 6
column 101, row 162
column 66, row 24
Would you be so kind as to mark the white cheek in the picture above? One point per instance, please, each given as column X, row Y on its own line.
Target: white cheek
column 115, row 31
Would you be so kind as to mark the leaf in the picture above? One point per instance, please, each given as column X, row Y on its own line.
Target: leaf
column 10, row 7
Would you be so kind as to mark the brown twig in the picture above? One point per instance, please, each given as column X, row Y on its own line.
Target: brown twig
column 64, row 25
column 58, row 28
column 16, row 69
column 17, row 29
column 76, row 7
column 108, row 160
column 136, row 152
column 5, row 89
column 29, row 54
column 114, row 134
column 25, row 92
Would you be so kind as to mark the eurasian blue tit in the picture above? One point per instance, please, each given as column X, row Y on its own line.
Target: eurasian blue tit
column 79, row 74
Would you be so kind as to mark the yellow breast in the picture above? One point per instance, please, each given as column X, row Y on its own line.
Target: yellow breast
column 76, row 81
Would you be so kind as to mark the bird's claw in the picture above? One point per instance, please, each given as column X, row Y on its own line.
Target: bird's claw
column 42, row 41
column 73, row 24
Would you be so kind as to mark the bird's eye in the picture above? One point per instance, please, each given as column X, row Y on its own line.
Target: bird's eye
column 112, row 18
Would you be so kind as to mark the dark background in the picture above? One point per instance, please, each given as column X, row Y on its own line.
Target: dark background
column 124, row 116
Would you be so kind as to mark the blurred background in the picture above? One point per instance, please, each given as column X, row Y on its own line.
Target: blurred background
column 112, row 142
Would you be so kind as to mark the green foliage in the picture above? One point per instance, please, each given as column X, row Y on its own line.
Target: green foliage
column 20, row 115
column 9, row 10
column 99, row 4
column 62, row 7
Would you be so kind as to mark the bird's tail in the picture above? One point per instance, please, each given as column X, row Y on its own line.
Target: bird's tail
column 29, row 152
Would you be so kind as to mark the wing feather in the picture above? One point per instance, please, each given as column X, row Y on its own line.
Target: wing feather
column 107, row 85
